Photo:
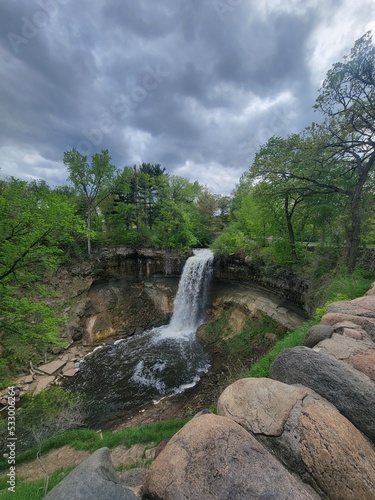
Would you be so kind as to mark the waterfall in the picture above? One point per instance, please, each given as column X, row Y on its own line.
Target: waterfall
column 121, row 378
column 191, row 295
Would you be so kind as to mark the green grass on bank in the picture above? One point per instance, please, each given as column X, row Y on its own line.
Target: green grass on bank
column 91, row 440
column 292, row 339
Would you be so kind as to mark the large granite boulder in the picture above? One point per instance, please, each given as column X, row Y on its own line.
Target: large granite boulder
column 350, row 391
column 213, row 457
column 93, row 479
column 306, row 433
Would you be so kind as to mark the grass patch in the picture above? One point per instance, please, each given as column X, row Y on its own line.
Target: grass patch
column 32, row 490
column 340, row 285
column 90, row 440
column 292, row 339
column 347, row 285
column 222, row 332
column 253, row 333
column 5, row 383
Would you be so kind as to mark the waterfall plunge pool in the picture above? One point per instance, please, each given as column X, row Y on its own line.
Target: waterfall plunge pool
column 120, row 379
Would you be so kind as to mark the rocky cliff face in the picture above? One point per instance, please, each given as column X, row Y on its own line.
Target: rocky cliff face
column 123, row 289
column 308, row 432
column 119, row 291
column 279, row 280
column 135, row 264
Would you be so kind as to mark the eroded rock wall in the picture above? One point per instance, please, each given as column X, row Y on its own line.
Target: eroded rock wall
column 279, row 280
column 121, row 290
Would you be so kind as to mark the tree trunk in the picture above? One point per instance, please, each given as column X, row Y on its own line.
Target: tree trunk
column 356, row 217
column 292, row 239
column 88, row 230
column 355, row 228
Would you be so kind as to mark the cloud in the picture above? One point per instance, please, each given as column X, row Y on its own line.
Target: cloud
column 195, row 86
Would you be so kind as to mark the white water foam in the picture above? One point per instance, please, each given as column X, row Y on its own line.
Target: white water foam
column 191, row 296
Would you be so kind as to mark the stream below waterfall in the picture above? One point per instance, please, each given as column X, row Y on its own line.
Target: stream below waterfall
column 120, row 379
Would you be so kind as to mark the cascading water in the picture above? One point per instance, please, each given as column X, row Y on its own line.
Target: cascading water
column 126, row 376
column 191, row 295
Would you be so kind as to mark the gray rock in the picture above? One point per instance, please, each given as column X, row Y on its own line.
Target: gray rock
column 43, row 383
column 52, row 367
column 93, row 479
column 133, row 477
column 316, row 334
column 352, row 394
column 214, row 458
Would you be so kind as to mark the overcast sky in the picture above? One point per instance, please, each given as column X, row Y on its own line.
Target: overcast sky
column 195, row 85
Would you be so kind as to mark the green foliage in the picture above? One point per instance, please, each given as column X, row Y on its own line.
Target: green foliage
column 45, row 405
column 339, row 285
column 150, row 207
column 35, row 225
column 92, row 181
column 279, row 252
column 230, row 241
column 240, row 344
column 173, row 228
column 254, row 329
column 29, row 329
column 349, row 285
column 317, row 185
column 51, row 411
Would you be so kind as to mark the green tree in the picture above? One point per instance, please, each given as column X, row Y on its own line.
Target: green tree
column 35, row 224
column 134, row 207
column 173, row 227
column 205, row 216
column 347, row 98
column 92, row 181
column 275, row 175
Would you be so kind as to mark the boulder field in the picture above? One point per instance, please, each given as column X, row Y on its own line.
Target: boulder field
column 308, row 432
